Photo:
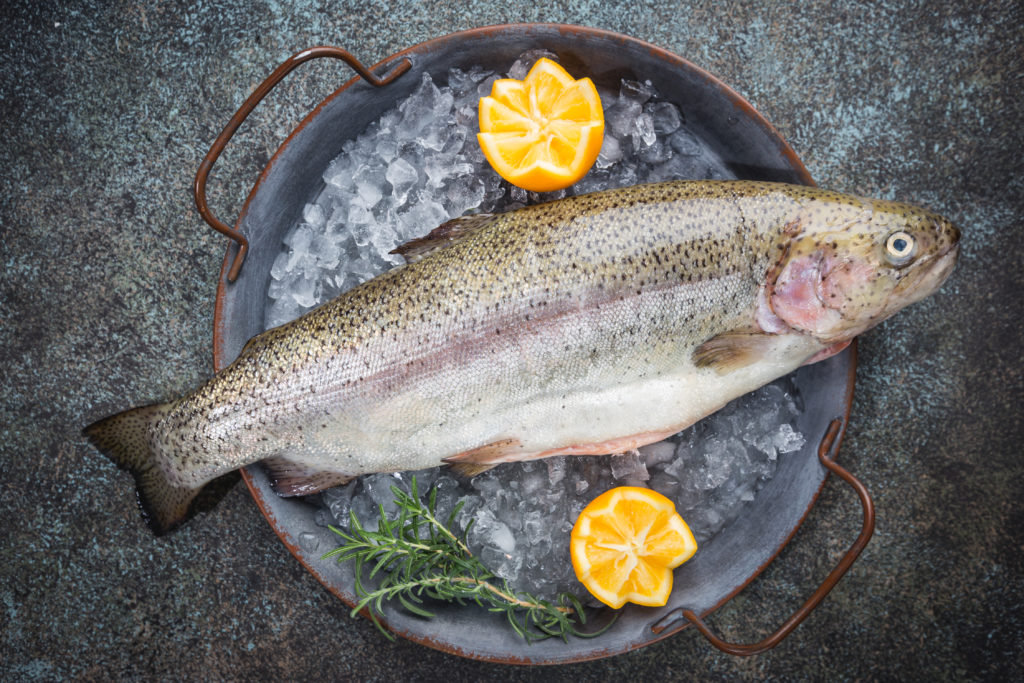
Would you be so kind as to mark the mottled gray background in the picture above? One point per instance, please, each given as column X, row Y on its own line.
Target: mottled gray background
column 106, row 301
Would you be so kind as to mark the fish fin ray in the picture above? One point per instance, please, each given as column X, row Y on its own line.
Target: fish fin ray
column 469, row 469
column 828, row 352
column 124, row 438
column 732, row 350
column 290, row 478
column 447, row 233
column 495, row 453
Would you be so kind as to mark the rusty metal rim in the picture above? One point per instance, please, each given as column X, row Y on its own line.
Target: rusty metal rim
column 737, row 100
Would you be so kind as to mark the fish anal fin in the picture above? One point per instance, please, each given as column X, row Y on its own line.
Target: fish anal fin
column 441, row 236
column 732, row 350
column 469, row 469
column 291, row 478
column 483, row 458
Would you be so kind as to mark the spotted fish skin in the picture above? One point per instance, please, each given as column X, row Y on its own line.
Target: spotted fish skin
column 587, row 325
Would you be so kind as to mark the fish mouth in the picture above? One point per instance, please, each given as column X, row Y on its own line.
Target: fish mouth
column 932, row 273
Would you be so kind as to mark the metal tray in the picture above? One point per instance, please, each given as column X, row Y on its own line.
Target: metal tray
column 748, row 145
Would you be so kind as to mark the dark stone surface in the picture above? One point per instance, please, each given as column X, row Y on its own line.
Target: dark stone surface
column 106, row 299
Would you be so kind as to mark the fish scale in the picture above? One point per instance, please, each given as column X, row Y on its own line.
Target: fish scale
column 588, row 325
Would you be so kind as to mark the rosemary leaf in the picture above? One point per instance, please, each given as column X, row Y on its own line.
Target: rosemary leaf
column 416, row 556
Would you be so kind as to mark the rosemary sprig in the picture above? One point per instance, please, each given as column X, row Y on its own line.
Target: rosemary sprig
column 416, row 556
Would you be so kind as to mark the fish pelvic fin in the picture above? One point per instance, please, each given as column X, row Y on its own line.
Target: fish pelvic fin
column 732, row 350
column 125, row 439
column 291, row 478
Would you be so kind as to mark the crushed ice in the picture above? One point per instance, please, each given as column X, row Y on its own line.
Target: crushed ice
column 417, row 166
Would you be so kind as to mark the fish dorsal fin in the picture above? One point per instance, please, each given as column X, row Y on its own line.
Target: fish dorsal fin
column 290, row 478
column 732, row 350
column 443, row 235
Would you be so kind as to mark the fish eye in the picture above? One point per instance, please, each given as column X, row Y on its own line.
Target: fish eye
column 899, row 247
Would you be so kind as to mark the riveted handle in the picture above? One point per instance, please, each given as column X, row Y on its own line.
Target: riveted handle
column 826, row 453
column 199, row 186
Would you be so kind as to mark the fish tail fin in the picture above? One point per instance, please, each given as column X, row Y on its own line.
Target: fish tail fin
column 124, row 438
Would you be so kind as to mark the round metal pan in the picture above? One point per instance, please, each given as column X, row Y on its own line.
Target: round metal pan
column 748, row 145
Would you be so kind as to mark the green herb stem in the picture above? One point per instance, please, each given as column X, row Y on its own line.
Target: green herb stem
column 416, row 556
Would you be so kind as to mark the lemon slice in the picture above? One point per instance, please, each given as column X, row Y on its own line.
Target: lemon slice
column 626, row 543
column 542, row 133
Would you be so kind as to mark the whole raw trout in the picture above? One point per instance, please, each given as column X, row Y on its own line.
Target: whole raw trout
column 590, row 325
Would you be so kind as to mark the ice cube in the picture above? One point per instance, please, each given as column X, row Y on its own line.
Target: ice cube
column 484, row 88
column 339, row 173
column 314, row 215
column 369, row 179
column 502, row 563
column 418, row 109
column 611, row 152
column 280, row 267
column 531, row 482
column 304, row 292
column 423, row 216
column 435, row 135
column 282, row 311
column 581, row 486
column 279, row 288
column 365, row 511
column 487, row 484
column 309, row 541
column 299, row 239
column 326, row 250
column 658, row 453
column 664, row 484
column 556, row 470
column 642, row 132
column 656, row 153
column 387, row 148
column 635, row 91
column 462, row 82
column 378, row 487
column 629, row 466
column 464, row 194
column 716, row 466
column 536, row 528
column 403, row 177
column 666, row 117
column 522, row 66
column 620, row 117
column 360, row 224
column 684, row 142
column 678, row 167
column 338, row 500
column 788, row 440
column 488, row 530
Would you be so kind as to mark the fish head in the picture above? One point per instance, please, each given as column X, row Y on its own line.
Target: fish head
column 847, row 269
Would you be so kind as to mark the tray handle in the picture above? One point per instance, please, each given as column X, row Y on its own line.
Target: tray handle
column 826, row 453
column 199, row 186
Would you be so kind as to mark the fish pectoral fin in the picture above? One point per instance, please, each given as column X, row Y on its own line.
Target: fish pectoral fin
column 828, row 352
column 290, row 478
column 732, row 350
column 441, row 236
column 482, row 458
